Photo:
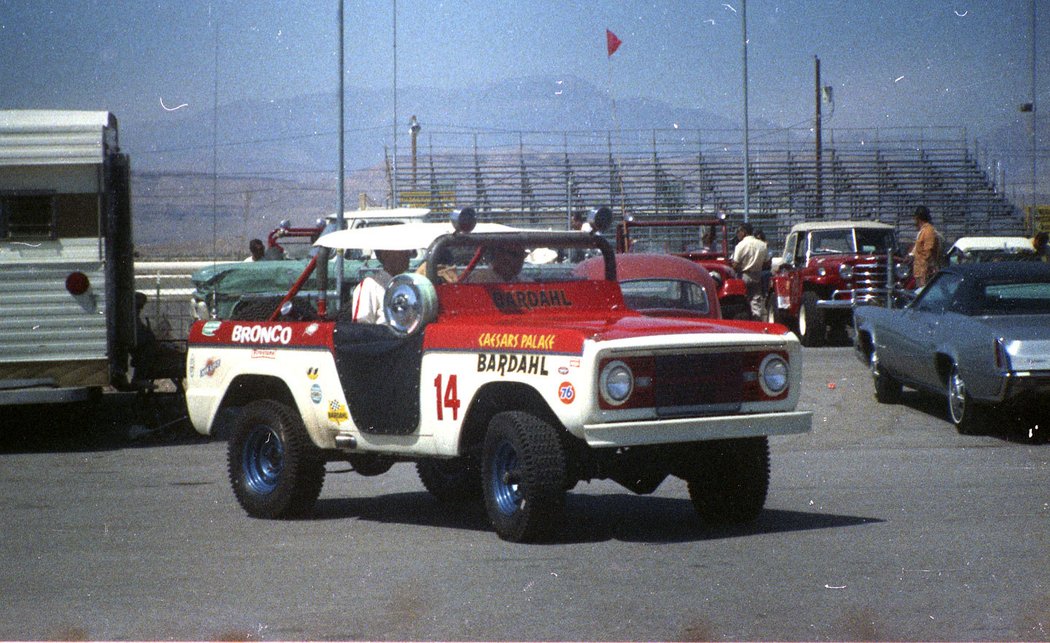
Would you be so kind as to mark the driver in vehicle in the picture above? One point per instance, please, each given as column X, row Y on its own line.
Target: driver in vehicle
column 505, row 263
column 367, row 303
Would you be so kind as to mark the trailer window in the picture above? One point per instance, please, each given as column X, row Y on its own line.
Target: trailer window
column 27, row 216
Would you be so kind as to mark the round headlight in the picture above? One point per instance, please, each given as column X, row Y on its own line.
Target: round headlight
column 822, row 271
column 845, row 271
column 773, row 375
column 902, row 271
column 410, row 303
column 616, row 382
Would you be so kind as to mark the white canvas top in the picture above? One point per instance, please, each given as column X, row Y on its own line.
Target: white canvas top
column 839, row 225
column 407, row 236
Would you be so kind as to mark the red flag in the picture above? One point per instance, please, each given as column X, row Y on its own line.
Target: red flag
column 612, row 43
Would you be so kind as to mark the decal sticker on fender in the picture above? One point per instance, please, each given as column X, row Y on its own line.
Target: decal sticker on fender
column 566, row 392
column 312, row 372
column 210, row 366
column 315, row 394
column 503, row 363
column 337, row 412
column 521, row 341
column 261, row 334
column 209, row 329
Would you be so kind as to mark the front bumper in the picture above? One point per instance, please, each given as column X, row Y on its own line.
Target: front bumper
column 696, row 429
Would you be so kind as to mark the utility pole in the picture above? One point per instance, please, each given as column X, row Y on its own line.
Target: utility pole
column 413, row 129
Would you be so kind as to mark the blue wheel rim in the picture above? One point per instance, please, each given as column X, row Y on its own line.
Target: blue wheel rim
column 506, row 492
column 263, row 460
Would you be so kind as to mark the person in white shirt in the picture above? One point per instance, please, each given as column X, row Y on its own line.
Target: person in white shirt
column 749, row 257
column 366, row 306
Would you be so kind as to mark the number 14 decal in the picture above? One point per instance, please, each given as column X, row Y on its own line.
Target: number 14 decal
column 447, row 399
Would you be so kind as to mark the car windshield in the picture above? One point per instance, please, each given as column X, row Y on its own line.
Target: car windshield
column 645, row 294
column 867, row 241
column 871, row 242
column 1016, row 298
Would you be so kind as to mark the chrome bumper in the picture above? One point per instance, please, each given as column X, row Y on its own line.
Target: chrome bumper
column 624, row 434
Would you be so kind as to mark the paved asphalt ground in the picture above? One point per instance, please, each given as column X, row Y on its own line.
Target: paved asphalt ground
column 881, row 524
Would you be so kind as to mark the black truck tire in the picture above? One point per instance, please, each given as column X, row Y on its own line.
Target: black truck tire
column 274, row 468
column 523, row 476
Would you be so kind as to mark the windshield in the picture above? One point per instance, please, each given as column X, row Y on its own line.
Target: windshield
column 646, row 294
column 851, row 241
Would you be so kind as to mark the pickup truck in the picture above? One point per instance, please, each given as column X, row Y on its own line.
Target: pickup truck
column 828, row 268
column 507, row 392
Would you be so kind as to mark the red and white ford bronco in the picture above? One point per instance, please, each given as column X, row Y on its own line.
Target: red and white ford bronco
column 509, row 391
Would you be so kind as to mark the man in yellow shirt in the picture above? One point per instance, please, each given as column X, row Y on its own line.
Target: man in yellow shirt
column 927, row 248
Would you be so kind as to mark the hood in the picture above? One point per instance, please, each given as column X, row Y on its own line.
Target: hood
column 567, row 334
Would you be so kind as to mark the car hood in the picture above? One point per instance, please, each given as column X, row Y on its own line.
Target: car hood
column 567, row 334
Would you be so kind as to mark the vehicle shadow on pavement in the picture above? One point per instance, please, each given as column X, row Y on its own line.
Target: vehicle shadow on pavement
column 116, row 421
column 588, row 518
column 1007, row 426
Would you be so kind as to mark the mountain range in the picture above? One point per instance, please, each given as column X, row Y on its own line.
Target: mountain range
column 277, row 158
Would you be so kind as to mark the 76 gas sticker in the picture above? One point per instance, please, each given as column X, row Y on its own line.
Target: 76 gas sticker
column 566, row 392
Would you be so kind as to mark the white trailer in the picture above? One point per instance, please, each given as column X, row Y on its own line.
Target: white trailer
column 67, row 298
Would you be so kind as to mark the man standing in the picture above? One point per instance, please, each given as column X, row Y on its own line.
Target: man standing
column 749, row 257
column 367, row 303
column 927, row 249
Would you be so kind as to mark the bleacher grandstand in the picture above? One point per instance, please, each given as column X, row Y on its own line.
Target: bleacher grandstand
column 538, row 180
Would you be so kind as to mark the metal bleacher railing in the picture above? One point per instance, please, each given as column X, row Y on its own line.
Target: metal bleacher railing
column 537, row 179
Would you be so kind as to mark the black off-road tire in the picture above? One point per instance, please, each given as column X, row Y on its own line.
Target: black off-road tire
column 729, row 480
column 274, row 468
column 454, row 481
column 812, row 327
column 523, row 477
column 887, row 387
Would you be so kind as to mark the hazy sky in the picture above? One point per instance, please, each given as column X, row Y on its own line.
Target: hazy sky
column 890, row 62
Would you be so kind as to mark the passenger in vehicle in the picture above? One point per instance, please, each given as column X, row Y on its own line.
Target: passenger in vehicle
column 257, row 250
column 366, row 305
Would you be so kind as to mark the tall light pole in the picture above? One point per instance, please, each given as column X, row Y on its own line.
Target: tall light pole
column 747, row 152
column 819, row 151
column 1035, row 202
column 393, row 183
column 340, row 202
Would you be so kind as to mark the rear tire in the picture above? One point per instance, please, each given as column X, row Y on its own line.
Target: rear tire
column 812, row 328
column 454, row 481
column 968, row 416
column 274, row 468
column 729, row 480
column 773, row 315
column 523, row 476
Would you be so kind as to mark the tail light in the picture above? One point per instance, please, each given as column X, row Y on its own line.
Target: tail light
column 1002, row 356
column 77, row 283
